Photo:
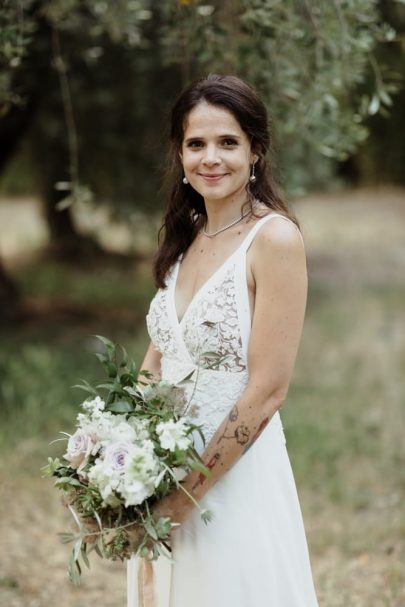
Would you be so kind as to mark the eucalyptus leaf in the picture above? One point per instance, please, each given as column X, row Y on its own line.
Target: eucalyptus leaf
column 98, row 550
column 124, row 360
column 77, row 548
column 111, row 369
column 120, row 406
column 68, row 480
column 101, row 357
column 107, row 342
column 84, row 556
column 66, row 538
column 108, row 385
column 196, row 465
column 86, row 388
column 150, row 529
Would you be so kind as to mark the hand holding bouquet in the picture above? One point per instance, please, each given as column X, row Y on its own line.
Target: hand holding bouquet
column 131, row 448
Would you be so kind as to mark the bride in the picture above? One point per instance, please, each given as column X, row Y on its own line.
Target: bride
column 231, row 278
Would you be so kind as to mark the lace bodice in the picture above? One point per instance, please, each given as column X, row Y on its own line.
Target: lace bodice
column 217, row 321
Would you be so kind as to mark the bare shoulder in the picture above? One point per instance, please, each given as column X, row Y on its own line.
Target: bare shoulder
column 278, row 236
column 277, row 256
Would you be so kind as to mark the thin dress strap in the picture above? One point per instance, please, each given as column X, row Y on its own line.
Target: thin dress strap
column 249, row 238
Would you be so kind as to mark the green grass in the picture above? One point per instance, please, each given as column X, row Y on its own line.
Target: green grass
column 107, row 284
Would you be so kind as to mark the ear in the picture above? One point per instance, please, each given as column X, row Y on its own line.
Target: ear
column 254, row 158
column 181, row 156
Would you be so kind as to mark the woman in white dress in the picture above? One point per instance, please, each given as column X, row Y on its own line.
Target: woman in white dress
column 231, row 277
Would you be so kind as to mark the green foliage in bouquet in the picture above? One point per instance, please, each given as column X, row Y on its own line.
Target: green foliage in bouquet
column 132, row 446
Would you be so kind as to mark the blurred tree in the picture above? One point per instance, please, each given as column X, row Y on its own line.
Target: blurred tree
column 381, row 158
column 97, row 77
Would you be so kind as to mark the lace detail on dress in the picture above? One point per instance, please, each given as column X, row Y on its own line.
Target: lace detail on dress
column 209, row 395
column 213, row 326
column 159, row 327
column 214, row 396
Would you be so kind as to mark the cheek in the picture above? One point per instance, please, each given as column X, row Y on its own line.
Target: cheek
column 189, row 159
column 240, row 163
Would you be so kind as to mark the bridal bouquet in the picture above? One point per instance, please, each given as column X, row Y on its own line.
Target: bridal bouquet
column 130, row 448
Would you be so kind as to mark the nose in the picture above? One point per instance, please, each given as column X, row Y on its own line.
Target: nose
column 211, row 155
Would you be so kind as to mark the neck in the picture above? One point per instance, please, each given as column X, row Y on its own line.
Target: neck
column 223, row 210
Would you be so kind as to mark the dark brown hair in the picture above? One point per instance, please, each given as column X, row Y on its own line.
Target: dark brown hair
column 185, row 206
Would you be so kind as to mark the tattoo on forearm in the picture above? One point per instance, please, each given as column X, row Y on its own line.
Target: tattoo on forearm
column 241, row 432
column 201, row 477
column 260, row 429
column 233, row 416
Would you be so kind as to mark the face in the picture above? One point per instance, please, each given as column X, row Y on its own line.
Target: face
column 216, row 153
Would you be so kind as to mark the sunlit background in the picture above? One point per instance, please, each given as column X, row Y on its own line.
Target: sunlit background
column 85, row 90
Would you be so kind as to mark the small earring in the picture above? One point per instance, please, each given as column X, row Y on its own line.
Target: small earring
column 252, row 177
column 185, row 180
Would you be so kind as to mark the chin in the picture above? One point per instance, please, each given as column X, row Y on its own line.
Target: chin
column 217, row 193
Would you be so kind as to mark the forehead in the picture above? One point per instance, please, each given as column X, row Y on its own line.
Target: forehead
column 206, row 119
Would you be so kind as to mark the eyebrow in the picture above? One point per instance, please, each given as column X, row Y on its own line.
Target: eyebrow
column 220, row 137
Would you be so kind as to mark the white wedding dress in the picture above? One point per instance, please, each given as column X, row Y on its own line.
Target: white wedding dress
column 254, row 552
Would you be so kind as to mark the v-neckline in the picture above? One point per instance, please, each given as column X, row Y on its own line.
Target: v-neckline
column 207, row 282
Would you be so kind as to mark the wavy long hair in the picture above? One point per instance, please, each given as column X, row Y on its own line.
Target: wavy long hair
column 185, row 207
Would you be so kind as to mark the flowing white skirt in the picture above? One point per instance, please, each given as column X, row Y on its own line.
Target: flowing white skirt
column 253, row 553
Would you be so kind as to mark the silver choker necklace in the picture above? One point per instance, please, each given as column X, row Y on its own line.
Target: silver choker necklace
column 229, row 225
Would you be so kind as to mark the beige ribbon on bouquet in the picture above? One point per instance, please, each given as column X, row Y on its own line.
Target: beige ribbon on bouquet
column 146, row 584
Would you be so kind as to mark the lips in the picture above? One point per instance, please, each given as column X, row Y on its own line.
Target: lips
column 212, row 176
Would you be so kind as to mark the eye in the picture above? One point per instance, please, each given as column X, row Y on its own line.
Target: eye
column 194, row 144
column 229, row 142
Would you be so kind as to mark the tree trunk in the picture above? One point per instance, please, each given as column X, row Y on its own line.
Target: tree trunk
column 9, row 296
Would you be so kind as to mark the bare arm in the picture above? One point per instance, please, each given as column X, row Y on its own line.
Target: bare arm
column 151, row 362
column 279, row 269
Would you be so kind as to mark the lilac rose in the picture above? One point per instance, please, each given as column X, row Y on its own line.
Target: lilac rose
column 80, row 446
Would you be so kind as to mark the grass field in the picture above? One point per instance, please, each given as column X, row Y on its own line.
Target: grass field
column 344, row 416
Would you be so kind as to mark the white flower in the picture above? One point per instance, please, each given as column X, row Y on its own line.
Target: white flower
column 99, row 425
column 121, row 432
column 140, row 427
column 94, row 405
column 115, row 456
column 108, row 471
column 126, row 470
column 105, row 479
column 80, row 446
column 172, row 435
column 141, row 472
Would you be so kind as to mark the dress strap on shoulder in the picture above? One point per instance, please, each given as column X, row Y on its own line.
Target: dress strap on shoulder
column 249, row 238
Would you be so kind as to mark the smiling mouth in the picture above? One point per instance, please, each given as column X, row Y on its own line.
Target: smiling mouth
column 212, row 177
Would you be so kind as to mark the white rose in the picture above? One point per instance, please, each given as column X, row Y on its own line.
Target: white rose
column 172, row 435
column 80, row 446
column 115, row 456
